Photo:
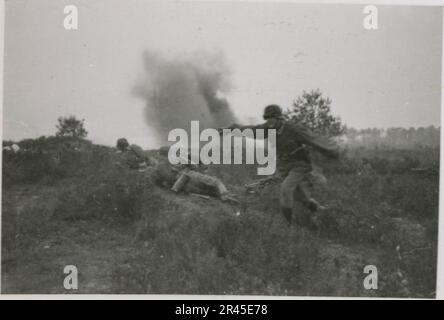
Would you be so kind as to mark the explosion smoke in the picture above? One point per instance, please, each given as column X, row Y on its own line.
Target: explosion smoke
column 181, row 90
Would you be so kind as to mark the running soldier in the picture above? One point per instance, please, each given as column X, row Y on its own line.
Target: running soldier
column 293, row 159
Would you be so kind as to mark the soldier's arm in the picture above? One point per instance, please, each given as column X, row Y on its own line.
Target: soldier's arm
column 322, row 144
column 243, row 127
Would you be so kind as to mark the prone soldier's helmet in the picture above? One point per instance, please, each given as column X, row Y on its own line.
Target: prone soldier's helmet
column 272, row 111
column 122, row 144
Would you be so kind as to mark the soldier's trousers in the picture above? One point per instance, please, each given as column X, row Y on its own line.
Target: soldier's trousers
column 199, row 183
column 297, row 184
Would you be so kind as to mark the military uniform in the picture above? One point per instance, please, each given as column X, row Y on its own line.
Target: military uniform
column 136, row 158
column 294, row 162
column 190, row 178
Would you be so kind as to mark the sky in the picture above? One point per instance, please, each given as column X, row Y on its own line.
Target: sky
column 375, row 78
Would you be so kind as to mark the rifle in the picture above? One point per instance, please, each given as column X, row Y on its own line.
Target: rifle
column 260, row 184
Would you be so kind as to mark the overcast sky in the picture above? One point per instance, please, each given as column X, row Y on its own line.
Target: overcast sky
column 376, row 78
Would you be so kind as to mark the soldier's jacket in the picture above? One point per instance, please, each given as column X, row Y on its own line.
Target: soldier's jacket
column 135, row 157
column 290, row 140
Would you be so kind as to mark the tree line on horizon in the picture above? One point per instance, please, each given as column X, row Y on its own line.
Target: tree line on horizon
column 313, row 110
column 395, row 137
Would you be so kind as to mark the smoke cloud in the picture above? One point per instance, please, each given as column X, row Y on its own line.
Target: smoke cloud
column 177, row 91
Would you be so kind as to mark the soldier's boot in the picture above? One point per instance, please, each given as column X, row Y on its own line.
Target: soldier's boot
column 288, row 214
column 314, row 206
column 181, row 182
column 313, row 221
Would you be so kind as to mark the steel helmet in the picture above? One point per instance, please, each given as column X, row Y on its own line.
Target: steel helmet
column 122, row 144
column 272, row 111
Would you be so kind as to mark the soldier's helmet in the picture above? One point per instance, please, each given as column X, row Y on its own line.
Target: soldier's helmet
column 272, row 111
column 122, row 144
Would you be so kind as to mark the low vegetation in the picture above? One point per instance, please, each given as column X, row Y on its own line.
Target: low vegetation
column 65, row 201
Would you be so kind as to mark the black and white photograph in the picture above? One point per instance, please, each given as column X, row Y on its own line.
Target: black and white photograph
column 221, row 148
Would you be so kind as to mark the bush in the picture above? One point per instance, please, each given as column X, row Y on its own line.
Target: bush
column 71, row 127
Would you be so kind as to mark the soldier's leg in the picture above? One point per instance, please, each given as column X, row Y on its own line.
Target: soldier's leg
column 287, row 194
column 302, row 195
column 221, row 189
column 208, row 184
column 181, row 182
column 304, row 192
column 317, row 178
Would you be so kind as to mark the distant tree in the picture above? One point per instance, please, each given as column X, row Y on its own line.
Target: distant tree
column 314, row 111
column 71, row 127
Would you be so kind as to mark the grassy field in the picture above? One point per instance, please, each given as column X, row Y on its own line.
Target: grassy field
column 66, row 202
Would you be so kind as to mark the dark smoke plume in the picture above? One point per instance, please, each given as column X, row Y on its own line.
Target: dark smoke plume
column 181, row 90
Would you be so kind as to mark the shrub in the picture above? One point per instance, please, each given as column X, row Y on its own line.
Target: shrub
column 71, row 127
